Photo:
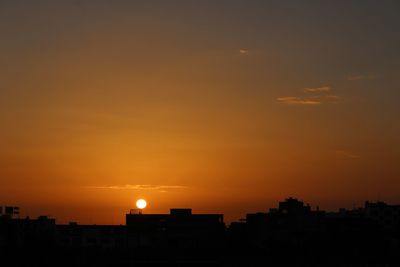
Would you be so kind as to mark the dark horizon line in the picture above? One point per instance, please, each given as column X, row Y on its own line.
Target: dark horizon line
column 15, row 210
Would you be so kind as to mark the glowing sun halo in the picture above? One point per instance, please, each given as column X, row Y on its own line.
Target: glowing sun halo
column 141, row 204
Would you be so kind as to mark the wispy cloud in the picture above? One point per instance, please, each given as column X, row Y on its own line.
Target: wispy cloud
column 360, row 77
column 347, row 154
column 294, row 100
column 313, row 100
column 311, row 96
column 161, row 188
column 243, row 51
column 317, row 89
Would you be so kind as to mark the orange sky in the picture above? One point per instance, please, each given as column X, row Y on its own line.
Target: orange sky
column 225, row 108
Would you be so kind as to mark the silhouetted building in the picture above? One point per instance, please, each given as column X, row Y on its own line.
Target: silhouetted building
column 9, row 211
column 95, row 236
column 291, row 223
column 27, row 232
column 387, row 216
column 293, row 233
column 311, row 236
column 180, row 228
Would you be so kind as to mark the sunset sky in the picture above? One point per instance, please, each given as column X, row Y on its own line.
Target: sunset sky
column 220, row 106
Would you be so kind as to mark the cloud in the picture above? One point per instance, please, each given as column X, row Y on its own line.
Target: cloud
column 297, row 100
column 311, row 96
column 360, row 77
column 313, row 100
column 317, row 89
column 347, row 154
column 243, row 51
column 161, row 188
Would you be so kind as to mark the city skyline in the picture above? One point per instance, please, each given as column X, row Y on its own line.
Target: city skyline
column 16, row 212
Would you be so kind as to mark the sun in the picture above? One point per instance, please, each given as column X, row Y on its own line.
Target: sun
column 141, row 204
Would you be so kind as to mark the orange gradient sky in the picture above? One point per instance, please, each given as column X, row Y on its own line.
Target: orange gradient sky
column 221, row 106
